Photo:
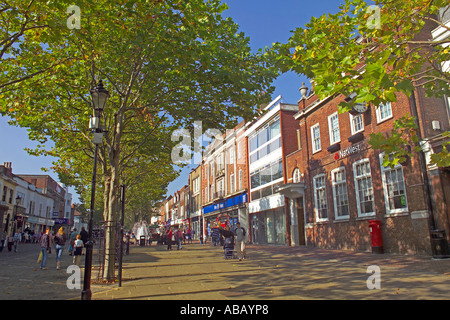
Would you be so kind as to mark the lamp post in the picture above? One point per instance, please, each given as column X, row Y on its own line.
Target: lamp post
column 99, row 97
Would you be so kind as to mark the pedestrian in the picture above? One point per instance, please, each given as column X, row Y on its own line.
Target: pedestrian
column 228, row 245
column 45, row 242
column 2, row 238
column 84, row 236
column 10, row 243
column 179, row 237
column 240, row 241
column 17, row 238
column 60, row 241
column 215, row 236
column 78, row 249
column 188, row 235
column 72, row 238
column 169, row 235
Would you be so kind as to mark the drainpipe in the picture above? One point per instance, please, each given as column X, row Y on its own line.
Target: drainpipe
column 426, row 180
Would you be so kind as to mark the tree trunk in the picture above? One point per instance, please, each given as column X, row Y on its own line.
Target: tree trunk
column 111, row 220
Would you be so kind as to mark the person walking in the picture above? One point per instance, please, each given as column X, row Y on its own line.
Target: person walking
column 17, row 238
column 45, row 242
column 60, row 241
column 240, row 241
column 72, row 238
column 179, row 238
column 169, row 235
column 2, row 239
column 215, row 236
column 10, row 240
column 77, row 250
column 84, row 236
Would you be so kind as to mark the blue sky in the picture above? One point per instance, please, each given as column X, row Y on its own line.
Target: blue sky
column 264, row 21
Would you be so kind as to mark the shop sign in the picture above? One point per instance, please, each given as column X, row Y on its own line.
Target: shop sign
column 230, row 202
column 62, row 221
column 347, row 152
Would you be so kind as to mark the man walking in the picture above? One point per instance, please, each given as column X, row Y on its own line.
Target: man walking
column 240, row 241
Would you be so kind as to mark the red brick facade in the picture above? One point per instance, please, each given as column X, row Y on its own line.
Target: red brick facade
column 404, row 230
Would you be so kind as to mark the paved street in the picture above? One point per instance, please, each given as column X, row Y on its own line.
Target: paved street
column 199, row 272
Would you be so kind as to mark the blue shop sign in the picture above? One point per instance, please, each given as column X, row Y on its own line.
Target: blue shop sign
column 233, row 201
column 62, row 221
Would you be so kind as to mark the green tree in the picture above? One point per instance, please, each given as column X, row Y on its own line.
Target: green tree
column 165, row 63
column 373, row 51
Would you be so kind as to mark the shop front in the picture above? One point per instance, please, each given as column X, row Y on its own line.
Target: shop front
column 226, row 213
column 268, row 220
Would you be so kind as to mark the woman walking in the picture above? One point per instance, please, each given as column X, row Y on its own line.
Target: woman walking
column 179, row 238
column 45, row 242
column 60, row 241
column 77, row 250
column 169, row 235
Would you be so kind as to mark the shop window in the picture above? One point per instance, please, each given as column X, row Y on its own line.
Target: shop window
column 340, row 194
column 315, row 136
column 333, row 126
column 394, row 188
column 363, row 188
column 320, row 197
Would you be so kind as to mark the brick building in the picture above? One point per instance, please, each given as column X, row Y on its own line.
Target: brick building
column 224, row 179
column 336, row 182
column 195, row 203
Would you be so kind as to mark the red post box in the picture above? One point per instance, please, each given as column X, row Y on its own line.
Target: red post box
column 375, row 236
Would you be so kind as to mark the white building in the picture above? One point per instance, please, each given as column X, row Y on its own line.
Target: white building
column 38, row 206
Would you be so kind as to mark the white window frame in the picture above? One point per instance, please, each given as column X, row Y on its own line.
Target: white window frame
column 232, row 185
column 385, row 187
column 378, row 112
column 314, row 149
column 335, row 184
column 352, row 123
column 332, row 130
column 241, row 177
column 358, row 200
column 316, row 204
column 296, row 176
column 231, row 154
column 239, row 152
column 196, row 186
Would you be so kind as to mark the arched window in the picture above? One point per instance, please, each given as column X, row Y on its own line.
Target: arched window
column 296, row 176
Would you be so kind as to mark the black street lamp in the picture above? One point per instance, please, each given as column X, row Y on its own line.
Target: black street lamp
column 99, row 97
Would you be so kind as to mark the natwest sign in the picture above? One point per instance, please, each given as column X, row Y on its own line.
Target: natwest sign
column 346, row 152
